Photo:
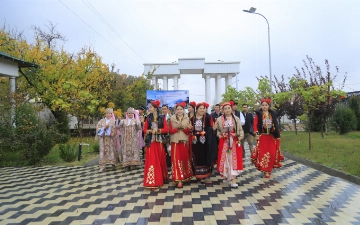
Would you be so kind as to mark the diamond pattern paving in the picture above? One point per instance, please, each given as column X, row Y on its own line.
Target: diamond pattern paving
column 296, row 194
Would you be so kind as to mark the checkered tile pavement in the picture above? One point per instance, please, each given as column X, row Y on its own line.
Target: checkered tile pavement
column 296, row 194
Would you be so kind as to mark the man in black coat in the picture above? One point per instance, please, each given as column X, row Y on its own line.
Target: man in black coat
column 248, row 129
column 236, row 112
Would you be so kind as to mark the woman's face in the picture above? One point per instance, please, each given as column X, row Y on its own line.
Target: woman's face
column 179, row 110
column 200, row 110
column 227, row 110
column 152, row 109
column 130, row 115
column 264, row 106
column 108, row 115
column 190, row 109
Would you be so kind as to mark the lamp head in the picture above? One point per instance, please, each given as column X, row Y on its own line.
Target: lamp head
column 251, row 10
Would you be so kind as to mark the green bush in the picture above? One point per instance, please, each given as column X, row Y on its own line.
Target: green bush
column 354, row 104
column 344, row 119
column 31, row 136
column 96, row 148
column 68, row 152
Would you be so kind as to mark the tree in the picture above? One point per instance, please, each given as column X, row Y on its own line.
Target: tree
column 286, row 101
column 331, row 96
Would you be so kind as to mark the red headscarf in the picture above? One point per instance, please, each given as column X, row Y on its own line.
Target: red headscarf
column 182, row 104
column 199, row 104
column 231, row 102
column 206, row 105
column 226, row 103
column 193, row 104
column 267, row 100
column 155, row 103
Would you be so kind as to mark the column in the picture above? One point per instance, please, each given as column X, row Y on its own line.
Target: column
column 176, row 82
column 207, row 89
column 228, row 81
column 165, row 82
column 218, row 88
column 153, row 81
column 12, row 101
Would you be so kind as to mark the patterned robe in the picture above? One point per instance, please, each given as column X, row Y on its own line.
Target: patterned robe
column 107, row 145
column 130, row 151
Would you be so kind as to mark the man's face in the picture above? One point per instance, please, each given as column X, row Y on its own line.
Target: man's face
column 217, row 108
column 164, row 110
column 234, row 107
column 245, row 108
column 141, row 112
column 169, row 111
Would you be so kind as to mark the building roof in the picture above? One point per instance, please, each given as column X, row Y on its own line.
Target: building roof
column 21, row 63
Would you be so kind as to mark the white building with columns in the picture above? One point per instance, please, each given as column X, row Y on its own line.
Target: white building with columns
column 194, row 66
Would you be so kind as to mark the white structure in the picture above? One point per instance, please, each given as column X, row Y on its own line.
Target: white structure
column 10, row 67
column 185, row 66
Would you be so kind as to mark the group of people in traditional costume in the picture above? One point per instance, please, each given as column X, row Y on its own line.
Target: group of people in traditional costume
column 194, row 141
column 120, row 140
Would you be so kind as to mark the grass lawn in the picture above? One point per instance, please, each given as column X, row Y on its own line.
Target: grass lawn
column 53, row 158
column 340, row 152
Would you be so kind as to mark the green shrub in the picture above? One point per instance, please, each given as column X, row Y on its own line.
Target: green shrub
column 344, row 120
column 68, row 152
column 31, row 136
column 354, row 104
column 96, row 148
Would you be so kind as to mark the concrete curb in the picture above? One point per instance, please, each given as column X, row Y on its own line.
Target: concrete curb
column 324, row 169
column 93, row 162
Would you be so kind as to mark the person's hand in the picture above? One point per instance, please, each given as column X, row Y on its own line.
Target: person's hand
column 214, row 127
column 189, row 126
column 257, row 137
column 106, row 126
column 240, row 138
column 142, row 119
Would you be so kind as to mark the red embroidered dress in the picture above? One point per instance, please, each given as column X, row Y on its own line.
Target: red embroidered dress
column 267, row 154
column 155, row 169
column 230, row 163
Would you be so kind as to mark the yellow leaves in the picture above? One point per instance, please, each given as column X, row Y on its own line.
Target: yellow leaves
column 118, row 113
column 111, row 105
column 102, row 110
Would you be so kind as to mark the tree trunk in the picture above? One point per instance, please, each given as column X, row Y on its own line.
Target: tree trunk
column 295, row 127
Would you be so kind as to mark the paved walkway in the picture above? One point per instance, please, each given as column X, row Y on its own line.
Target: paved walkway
column 296, row 194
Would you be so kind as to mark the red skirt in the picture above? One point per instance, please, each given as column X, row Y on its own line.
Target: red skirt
column 155, row 169
column 267, row 154
column 180, row 162
column 237, row 159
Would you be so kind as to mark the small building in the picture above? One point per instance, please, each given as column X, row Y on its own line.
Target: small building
column 10, row 67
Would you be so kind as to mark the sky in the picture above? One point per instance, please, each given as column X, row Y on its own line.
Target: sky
column 130, row 33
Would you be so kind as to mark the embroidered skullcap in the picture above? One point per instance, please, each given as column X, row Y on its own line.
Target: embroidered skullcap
column 109, row 110
column 141, row 107
column 130, row 110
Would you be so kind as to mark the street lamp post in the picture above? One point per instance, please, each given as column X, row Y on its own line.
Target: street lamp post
column 252, row 10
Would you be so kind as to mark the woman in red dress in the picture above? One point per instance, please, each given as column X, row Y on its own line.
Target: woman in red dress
column 230, row 132
column 267, row 154
column 180, row 158
column 155, row 169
